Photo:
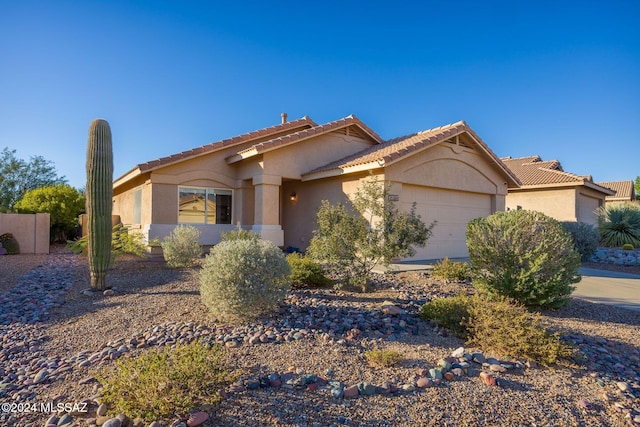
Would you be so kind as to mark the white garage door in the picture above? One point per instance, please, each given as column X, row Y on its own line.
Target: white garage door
column 452, row 210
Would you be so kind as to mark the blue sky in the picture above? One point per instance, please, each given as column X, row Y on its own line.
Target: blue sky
column 560, row 79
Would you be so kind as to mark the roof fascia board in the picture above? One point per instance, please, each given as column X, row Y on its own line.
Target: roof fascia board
column 599, row 188
column 344, row 171
column 127, row 177
column 562, row 185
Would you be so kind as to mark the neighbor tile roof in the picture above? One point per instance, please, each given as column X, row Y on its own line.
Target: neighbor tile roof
column 236, row 140
column 533, row 171
column 305, row 134
column 624, row 189
column 396, row 148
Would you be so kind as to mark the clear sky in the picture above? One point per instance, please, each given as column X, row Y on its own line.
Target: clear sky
column 560, row 79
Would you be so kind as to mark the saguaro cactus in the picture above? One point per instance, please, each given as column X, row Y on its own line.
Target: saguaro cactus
column 99, row 191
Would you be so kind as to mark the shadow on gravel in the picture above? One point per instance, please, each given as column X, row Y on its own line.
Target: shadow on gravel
column 585, row 310
column 131, row 277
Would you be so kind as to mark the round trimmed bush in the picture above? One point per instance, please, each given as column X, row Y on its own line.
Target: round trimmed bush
column 181, row 249
column 243, row 279
column 524, row 255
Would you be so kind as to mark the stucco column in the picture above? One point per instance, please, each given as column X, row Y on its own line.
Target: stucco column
column 267, row 208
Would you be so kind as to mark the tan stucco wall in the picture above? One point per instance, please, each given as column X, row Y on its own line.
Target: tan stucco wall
column 452, row 167
column 556, row 203
column 123, row 200
column 123, row 205
column 565, row 204
column 296, row 159
column 299, row 216
column 30, row 230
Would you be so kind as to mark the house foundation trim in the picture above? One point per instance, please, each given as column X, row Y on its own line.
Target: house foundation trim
column 274, row 233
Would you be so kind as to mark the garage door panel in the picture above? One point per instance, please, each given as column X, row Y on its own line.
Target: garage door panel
column 452, row 210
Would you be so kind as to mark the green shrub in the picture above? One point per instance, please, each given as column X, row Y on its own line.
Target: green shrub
column 451, row 271
column 122, row 242
column 243, row 279
column 619, row 225
column 586, row 238
column 305, row 272
column 239, row 234
column 10, row 244
column 499, row 325
column 451, row 313
column 506, row 327
column 181, row 249
column 62, row 202
column 383, row 358
column 627, row 247
column 162, row 383
column 524, row 255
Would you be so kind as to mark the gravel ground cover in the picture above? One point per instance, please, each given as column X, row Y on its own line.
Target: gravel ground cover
column 54, row 335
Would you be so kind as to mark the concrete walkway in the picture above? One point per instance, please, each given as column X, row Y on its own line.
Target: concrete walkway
column 609, row 287
column 599, row 286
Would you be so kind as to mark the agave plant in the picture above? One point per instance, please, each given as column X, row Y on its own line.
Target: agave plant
column 619, row 225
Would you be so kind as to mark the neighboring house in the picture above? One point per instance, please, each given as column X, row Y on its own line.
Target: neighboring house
column 624, row 192
column 547, row 188
column 273, row 180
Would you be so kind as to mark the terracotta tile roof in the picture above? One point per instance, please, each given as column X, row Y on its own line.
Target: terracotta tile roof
column 396, row 148
column 533, row 171
column 347, row 122
column 624, row 190
column 236, row 140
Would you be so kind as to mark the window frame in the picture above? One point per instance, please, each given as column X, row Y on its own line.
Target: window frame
column 207, row 192
column 137, row 206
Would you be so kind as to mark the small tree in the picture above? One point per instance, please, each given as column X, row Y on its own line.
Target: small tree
column 17, row 177
column 353, row 241
column 63, row 202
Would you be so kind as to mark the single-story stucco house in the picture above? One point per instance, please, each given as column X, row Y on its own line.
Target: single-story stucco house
column 547, row 188
column 273, row 180
column 624, row 192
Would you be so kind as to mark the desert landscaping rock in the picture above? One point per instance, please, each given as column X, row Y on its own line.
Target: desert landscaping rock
column 325, row 330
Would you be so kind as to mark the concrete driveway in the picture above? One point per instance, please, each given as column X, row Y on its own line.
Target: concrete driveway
column 600, row 286
column 609, row 287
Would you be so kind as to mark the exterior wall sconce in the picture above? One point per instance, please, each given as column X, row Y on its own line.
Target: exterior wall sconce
column 293, row 197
